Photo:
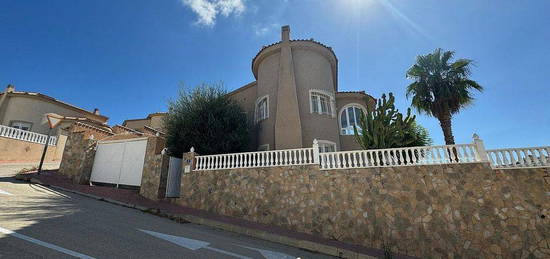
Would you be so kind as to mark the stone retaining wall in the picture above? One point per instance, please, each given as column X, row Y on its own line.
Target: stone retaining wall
column 465, row 210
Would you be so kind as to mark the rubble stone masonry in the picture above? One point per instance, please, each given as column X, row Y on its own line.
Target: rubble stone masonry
column 78, row 158
column 434, row 211
column 155, row 170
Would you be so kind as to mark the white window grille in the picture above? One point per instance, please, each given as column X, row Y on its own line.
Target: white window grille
column 321, row 102
column 22, row 125
column 326, row 146
column 350, row 116
column 262, row 108
column 264, row 147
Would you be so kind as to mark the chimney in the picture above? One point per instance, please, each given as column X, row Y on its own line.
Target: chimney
column 10, row 88
column 96, row 111
column 285, row 33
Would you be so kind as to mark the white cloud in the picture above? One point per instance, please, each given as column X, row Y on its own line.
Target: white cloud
column 228, row 7
column 261, row 30
column 207, row 10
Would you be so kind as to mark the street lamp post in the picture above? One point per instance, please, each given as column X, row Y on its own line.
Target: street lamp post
column 44, row 152
column 53, row 120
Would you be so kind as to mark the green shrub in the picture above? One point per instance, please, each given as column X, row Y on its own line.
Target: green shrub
column 383, row 126
column 208, row 120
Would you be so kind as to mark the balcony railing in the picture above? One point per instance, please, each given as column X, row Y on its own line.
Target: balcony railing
column 24, row 135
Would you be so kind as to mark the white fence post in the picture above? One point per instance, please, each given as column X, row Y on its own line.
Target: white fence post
column 480, row 147
column 315, row 151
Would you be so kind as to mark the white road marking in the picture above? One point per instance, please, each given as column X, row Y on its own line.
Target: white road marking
column 181, row 241
column 227, row 253
column 189, row 243
column 4, row 192
column 270, row 254
column 44, row 244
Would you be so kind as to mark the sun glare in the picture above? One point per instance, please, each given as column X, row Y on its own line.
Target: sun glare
column 356, row 3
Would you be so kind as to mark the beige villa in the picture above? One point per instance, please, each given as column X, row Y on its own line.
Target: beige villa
column 294, row 100
column 23, row 125
column 295, row 97
column 25, row 110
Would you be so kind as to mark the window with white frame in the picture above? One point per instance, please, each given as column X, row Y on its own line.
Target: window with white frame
column 23, row 125
column 321, row 102
column 326, row 146
column 264, row 147
column 262, row 108
column 349, row 117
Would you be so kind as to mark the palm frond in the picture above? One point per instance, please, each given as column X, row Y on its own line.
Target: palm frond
column 440, row 85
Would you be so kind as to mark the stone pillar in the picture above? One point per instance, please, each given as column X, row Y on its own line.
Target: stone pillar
column 78, row 158
column 480, row 147
column 155, row 170
column 188, row 162
column 315, row 151
column 288, row 127
column 187, row 166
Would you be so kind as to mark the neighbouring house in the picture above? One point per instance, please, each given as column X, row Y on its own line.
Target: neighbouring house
column 23, row 127
column 295, row 97
column 153, row 124
column 25, row 110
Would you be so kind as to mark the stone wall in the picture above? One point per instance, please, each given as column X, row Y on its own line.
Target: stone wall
column 78, row 158
column 465, row 210
column 155, row 170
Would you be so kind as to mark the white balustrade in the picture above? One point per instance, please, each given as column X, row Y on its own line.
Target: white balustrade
column 409, row 156
column 424, row 155
column 519, row 157
column 13, row 133
column 285, row 157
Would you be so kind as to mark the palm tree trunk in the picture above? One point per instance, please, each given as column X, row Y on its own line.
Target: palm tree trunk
column 446, row 126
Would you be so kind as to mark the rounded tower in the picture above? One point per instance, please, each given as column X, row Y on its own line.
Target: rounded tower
column 296, row 89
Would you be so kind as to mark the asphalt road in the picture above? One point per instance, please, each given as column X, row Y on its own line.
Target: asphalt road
column 39, row 222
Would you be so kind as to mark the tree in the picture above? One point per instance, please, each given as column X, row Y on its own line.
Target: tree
column 207, row 119
column 383, row 126
column 441, row 88
column 420, row 134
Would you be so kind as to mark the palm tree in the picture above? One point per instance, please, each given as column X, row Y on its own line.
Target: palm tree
column 441, row 88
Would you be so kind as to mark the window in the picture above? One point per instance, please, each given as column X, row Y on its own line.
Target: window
column 349, row 117
column 262, row 108
column 321, row 102
column 326, row 146
column 264, row 147
column 21, row 125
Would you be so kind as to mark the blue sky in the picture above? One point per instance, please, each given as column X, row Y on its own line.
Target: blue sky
column 128, row 57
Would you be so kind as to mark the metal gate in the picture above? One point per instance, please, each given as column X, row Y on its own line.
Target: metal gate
column 174, row 178
column 119, row 161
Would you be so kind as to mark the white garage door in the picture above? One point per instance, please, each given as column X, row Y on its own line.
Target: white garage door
column 119, row 161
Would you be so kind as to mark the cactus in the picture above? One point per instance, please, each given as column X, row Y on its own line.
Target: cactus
column 385, row 127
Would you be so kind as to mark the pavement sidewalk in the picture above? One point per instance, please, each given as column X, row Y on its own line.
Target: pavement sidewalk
column 132, row 199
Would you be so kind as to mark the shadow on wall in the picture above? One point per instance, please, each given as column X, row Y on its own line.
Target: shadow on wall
column 19, row 151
